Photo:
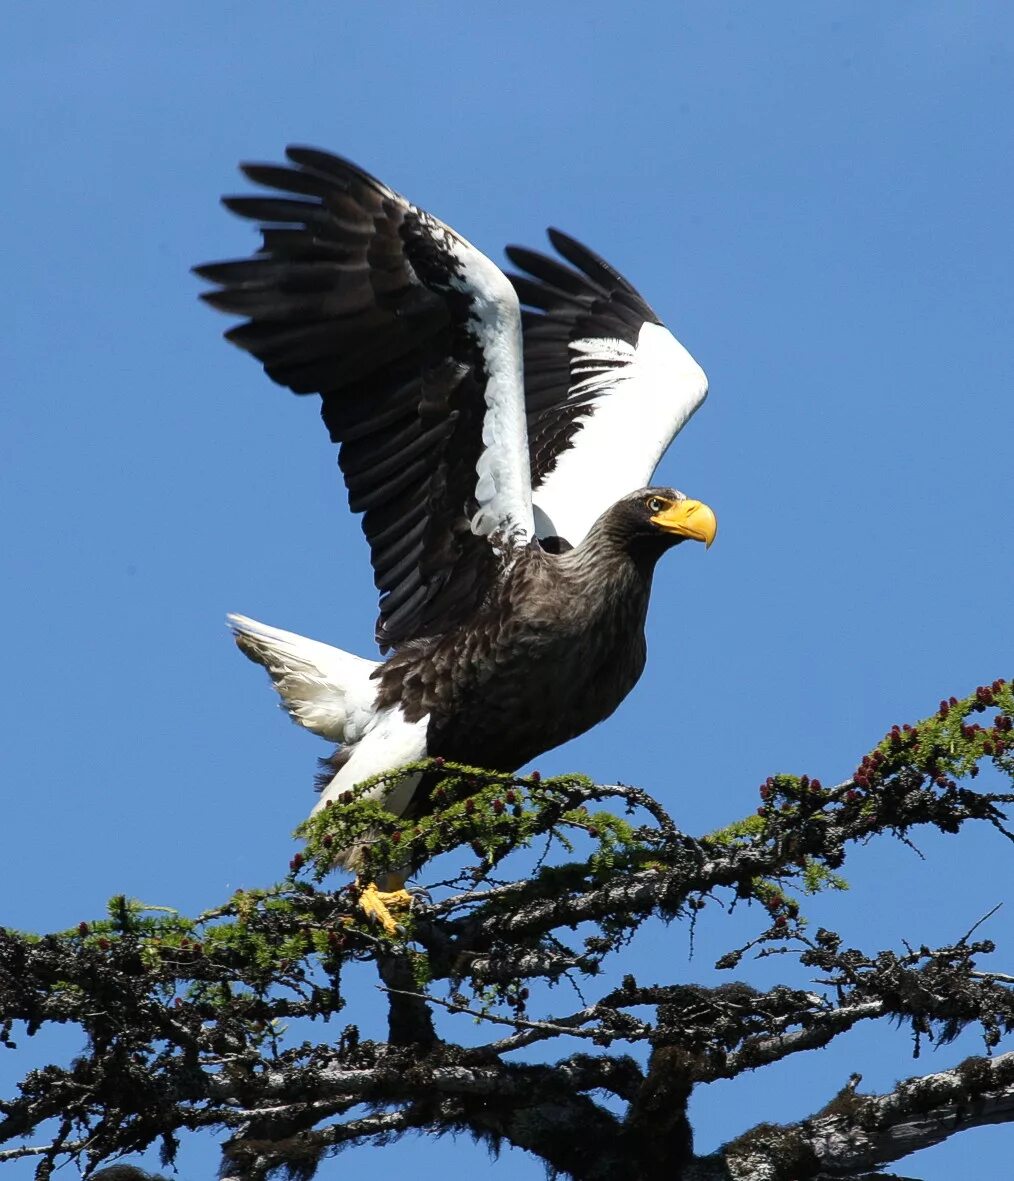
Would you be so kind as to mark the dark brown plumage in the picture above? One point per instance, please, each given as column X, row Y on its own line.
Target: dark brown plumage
column 492, row 453
column 553, row 651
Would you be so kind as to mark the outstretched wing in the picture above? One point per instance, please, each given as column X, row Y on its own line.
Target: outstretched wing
column 607, row 386
column 413, row 340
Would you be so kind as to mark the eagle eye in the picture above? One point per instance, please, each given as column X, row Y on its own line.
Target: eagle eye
column 655, row 504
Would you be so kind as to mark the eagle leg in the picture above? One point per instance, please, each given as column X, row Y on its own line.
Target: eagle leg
column 377, row 904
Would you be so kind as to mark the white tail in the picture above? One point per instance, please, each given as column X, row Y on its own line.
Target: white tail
column 322, row 688
column 330, row 692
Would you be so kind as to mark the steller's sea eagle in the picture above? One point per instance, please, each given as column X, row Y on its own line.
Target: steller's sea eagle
column 500, row 457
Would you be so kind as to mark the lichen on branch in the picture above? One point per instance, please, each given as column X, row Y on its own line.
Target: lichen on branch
column 217, row 1022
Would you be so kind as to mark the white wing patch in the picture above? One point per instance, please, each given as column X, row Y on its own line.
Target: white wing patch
column 643, row 397
column 503, row 477
column 599, row 358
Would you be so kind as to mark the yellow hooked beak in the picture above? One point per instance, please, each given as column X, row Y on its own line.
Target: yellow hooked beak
column 688, row 518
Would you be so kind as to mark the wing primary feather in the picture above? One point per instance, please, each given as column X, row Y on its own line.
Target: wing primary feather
column 413, row 340
column 365, row 494
column 410, row 593
column 397, row 461
column 288, row 180
column 547, row 297
column 606, row 385
column 408, row 542
column 606, row 276
column 550, row 272
column 392, row 572
column 338, row 168
column 387, row 522
column 358, row 457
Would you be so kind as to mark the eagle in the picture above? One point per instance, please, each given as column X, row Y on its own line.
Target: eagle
column 498, row 434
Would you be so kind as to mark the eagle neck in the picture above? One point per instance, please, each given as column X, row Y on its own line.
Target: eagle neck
column 610, row 546
column 607, row 566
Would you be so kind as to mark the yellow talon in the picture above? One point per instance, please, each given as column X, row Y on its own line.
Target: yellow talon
column 377, row 904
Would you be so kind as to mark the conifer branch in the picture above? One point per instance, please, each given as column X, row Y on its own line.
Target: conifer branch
column 185, row 1017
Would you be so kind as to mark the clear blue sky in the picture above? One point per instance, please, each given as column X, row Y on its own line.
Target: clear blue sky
column 817, row 199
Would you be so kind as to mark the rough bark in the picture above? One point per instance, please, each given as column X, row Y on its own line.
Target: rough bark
column 182, row 1016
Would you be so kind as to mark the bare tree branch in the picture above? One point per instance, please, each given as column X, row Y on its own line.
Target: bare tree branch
column 856, row 1134
column 186, row 1020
